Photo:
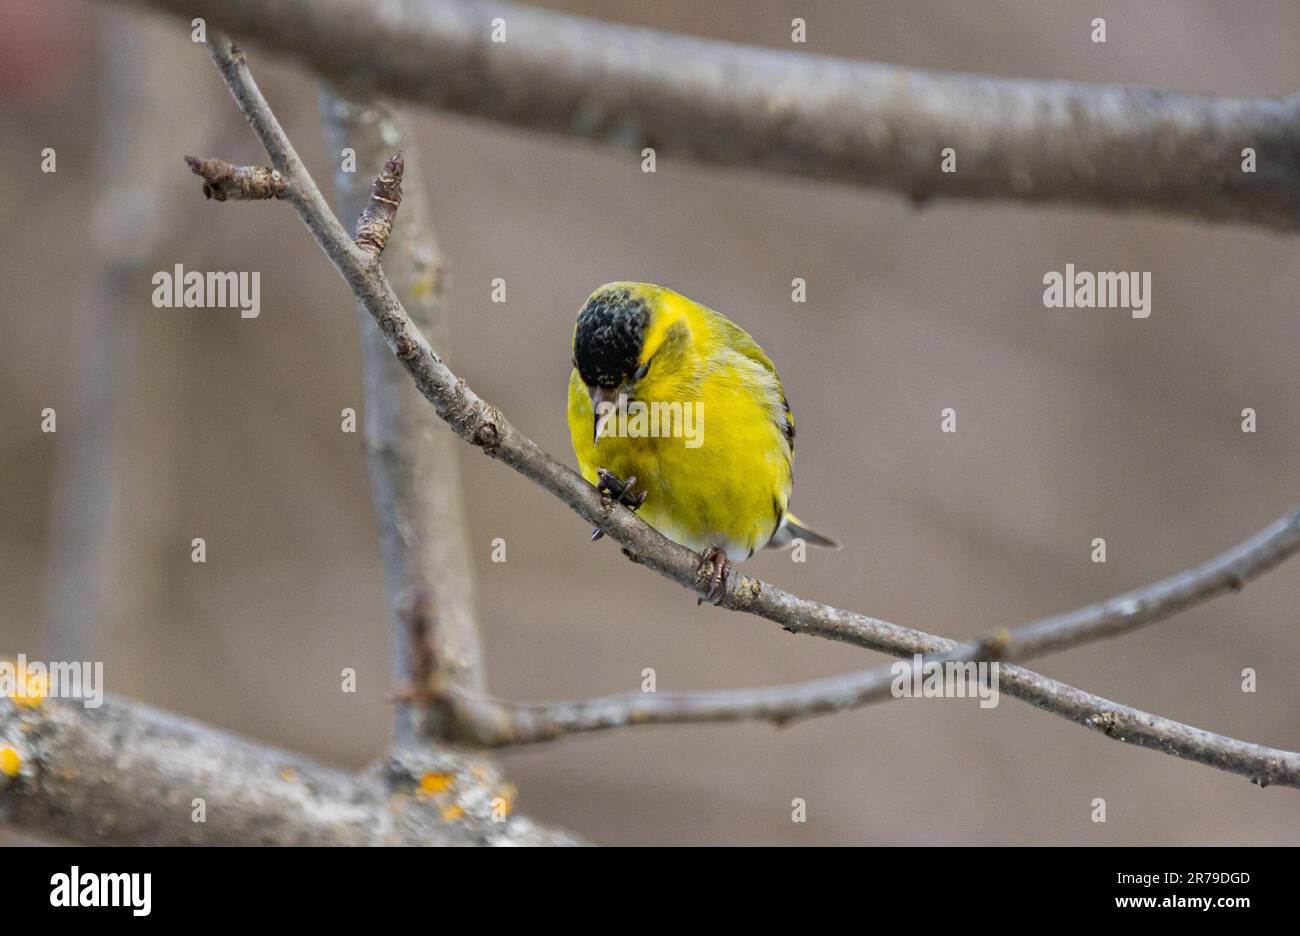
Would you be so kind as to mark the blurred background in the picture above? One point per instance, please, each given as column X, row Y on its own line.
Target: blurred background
column 1072, row 424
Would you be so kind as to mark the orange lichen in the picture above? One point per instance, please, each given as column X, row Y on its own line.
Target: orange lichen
column 432, row 784
column 10, row 762
column 288, row 773
column 504, row 801
column 451, row 812
column 32, row 691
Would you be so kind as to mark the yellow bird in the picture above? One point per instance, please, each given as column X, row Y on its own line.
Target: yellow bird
column 676, row 410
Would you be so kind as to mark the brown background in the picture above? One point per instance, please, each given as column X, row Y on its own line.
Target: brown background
column 1072, row 424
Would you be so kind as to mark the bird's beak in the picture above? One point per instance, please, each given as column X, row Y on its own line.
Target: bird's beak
column 601, row 414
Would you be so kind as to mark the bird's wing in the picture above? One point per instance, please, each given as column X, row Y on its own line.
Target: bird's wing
column 739, row 341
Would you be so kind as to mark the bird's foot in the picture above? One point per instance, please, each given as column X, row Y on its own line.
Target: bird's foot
column 711, row 574
column 619, row 490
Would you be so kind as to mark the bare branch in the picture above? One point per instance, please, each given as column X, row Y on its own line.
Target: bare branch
column 807, row 115
column 129, row 774
column 501, row 724
column 485, row 426
column 412, row 456
column 490, row 723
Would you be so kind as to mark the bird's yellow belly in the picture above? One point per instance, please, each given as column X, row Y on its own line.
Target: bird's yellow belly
column 726, row 493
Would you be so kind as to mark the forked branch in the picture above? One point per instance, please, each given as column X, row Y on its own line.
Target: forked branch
column 484, row 426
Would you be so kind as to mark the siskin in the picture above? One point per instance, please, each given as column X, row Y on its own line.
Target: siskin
column 671, row 396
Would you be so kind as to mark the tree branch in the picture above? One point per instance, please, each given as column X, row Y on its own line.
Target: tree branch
column 792, row 112
column 129, row 774
column 505, row 724
column 412, row 456
column 485, row 426
column 499, row 724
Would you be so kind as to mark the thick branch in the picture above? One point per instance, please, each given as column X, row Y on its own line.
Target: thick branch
column 129, row 774
column 792, row 112
column 485, row 426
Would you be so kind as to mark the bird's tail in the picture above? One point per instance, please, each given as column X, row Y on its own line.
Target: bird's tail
column 793, row 528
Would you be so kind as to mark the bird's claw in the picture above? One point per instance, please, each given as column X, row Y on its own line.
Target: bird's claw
column 621, row 491
column 711, row 574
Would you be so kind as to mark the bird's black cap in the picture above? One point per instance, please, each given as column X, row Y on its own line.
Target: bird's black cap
column 611, row 330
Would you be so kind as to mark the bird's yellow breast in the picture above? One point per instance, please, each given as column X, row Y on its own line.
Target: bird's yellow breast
column 722, row 474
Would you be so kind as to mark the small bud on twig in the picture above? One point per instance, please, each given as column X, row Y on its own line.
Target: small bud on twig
column 376, row 222
column 223, row 180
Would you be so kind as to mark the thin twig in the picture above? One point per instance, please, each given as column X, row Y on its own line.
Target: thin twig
column 499, row 724
column 492, row 723
column 793, row 112
column 505, row 724
column 483, row 425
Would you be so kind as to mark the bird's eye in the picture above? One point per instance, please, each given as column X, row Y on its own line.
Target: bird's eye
column 641, row 371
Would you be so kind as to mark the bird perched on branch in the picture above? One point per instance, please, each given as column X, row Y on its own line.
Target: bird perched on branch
column 675, row 410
